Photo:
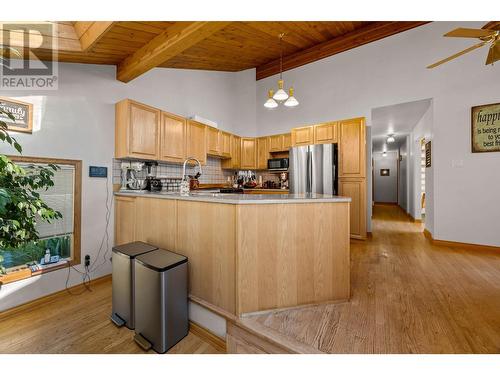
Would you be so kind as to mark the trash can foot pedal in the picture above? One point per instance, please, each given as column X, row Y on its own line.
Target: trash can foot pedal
column 119, row 322
column 142, row 342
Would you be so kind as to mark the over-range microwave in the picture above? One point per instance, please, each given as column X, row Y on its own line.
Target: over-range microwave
column 280, row 164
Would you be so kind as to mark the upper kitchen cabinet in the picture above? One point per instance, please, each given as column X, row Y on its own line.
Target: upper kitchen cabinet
column 263, row 144
column 225, row 144
column 276, row 143
column 172, row 138
column 303, row 136
column 280, row 142
column 137, row 130
column 196, row 141
column 234, row 160
column 213, row 141
column 248, row 153
column 287, row 141
column 218, row 143
column 325, row 133
column 352, row 148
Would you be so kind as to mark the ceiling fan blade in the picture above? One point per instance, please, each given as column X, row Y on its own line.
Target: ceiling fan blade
column 494, row 54
column 462, row 32
column 467, row 50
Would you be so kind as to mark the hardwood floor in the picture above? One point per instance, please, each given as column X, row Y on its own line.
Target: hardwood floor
column 79, row 324
column 408, row 296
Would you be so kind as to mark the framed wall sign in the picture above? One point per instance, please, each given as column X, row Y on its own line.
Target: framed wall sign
column 485, row 128
column 428, row 154
column 22, row 112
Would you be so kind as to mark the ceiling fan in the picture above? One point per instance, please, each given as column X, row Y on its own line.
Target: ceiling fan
column 486, row 36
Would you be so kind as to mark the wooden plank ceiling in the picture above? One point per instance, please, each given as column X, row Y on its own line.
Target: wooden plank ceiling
column 135, row 47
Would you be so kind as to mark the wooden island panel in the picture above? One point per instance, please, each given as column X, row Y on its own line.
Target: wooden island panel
column 156, row 222
column 291, row 254
column 206, row 235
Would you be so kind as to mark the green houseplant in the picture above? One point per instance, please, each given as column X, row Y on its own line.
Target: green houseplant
column 20, row 202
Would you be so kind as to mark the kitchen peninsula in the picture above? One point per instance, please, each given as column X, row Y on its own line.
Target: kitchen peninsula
column 247, row 253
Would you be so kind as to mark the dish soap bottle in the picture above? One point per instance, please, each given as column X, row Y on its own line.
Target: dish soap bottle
column 46, row 258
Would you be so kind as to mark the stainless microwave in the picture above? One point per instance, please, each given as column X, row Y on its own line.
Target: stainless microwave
column 280, row 164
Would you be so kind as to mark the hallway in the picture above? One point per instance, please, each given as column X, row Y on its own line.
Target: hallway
column 408, row 296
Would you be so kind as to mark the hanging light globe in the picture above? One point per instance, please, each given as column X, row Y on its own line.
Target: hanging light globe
column 270, row 102
column 291, row 101
column 281, row 94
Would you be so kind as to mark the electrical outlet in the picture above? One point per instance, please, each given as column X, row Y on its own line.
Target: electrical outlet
column 87, row 260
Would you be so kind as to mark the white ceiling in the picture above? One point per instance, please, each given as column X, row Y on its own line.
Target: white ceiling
column 398, row 119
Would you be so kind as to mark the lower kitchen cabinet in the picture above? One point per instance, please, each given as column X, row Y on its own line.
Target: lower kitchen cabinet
column 355, row 188
column 124, row 220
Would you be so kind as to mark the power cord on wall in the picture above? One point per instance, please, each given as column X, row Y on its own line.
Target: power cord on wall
column 88, row 266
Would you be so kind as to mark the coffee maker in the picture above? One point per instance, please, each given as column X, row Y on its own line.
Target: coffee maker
column 152, row 182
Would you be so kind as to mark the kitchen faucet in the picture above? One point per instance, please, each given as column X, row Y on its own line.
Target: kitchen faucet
column 184, row 189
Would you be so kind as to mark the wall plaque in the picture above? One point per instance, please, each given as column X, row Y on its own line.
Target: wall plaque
column 485, row 133
column 22, row 112
column 428, row 154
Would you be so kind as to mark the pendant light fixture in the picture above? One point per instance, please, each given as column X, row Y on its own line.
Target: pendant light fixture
column 270, row 103
column 281, row 96
column 391, row 139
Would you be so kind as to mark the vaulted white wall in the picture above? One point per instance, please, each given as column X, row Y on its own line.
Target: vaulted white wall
column 392, row 71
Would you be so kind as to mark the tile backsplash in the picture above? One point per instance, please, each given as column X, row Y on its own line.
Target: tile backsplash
column 212, row 172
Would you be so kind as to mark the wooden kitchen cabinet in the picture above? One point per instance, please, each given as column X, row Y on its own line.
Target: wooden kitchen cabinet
column 225, row 144
column 196, row 141
column 352, row 159
column 248, row 153
column 262, row 152
column 325, row 133
column 287, row 141
column 156, row 222
column 302, row 136
column 276, row 143
column 125, row 220
column 355, row 188
column 234, row 161
column 172, row 138
column 213, row 141
column 137, row 130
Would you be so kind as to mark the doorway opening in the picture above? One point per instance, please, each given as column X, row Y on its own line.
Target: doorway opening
column 398, row 137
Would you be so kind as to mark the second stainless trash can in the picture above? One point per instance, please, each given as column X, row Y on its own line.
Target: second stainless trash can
column 123, row 260
column 161, row 305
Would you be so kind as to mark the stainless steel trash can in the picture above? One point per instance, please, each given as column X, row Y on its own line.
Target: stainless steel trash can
column 123, row 260
column 161, row 305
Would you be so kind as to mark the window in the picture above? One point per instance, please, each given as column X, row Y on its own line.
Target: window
column 61, row 237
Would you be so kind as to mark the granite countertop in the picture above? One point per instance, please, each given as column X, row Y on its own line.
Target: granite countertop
column 213, row 197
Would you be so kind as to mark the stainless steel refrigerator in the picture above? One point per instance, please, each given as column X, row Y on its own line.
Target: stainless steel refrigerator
column 313, row 169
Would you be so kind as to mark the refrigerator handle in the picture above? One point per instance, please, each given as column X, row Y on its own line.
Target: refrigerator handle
column 309, row 171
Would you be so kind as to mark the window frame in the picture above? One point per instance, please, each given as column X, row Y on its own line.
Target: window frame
column 25, row 273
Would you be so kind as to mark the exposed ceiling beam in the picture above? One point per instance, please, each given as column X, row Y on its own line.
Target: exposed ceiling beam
column 165, row 46
column 494, row 25
column 89, row 33
column 356, row 38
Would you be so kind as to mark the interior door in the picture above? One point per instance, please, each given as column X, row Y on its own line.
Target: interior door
column 299, row 170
